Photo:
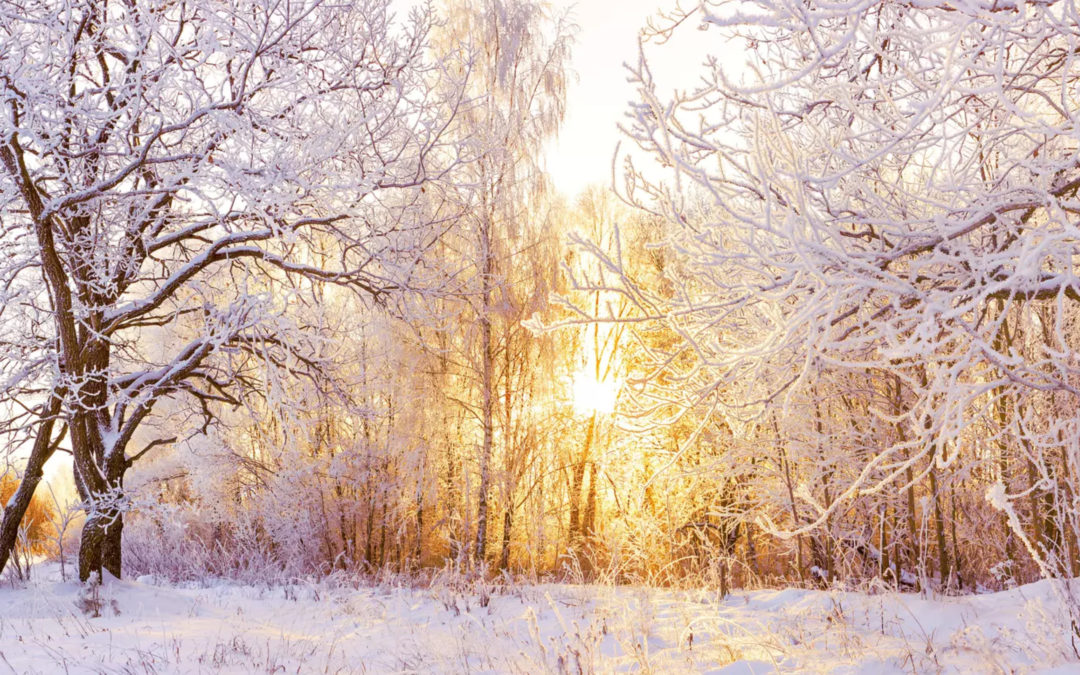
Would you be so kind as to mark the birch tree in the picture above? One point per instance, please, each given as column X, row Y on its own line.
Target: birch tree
column 519, row 77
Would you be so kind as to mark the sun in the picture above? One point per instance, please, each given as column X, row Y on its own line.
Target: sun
column 593, row 396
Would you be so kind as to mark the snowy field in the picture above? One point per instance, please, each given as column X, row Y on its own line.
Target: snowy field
column 144, row 627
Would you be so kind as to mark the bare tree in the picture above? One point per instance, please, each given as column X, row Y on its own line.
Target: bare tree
column 519, row 77
column 890, row 193
column 161, row 162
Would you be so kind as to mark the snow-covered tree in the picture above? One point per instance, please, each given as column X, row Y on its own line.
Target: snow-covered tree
column 892, row 195
column 168, row 168
column 519, row 78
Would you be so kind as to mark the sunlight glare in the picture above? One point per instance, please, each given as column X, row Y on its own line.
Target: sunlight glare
column 593, row 396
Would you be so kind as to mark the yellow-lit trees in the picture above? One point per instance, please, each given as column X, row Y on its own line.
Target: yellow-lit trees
column 518, row 78
column 892, row 192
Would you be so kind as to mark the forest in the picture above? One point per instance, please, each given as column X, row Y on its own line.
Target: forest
column 287, row 292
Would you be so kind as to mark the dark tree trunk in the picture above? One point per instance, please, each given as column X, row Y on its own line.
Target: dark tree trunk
column 418, row 547
column 885, row 571
column 958, row 570
column 369, row 529
column 576, row 490
column 42, row 450
column 751, row 548
column 508, row 521
column 915, row 542
column 939, row 531
column 100, row 547
column 111, row 551
column 382, row 539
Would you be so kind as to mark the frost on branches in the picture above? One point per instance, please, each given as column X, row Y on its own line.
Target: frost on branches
column 871, row 239
column 167, row 165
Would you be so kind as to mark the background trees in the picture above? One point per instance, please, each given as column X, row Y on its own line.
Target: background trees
column 519, row 77
column 886, row 266
column 298, row 260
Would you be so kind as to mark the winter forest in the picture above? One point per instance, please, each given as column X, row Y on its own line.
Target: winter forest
column 311, row 361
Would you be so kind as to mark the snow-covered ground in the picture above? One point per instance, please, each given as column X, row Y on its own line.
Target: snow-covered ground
column 451, row 627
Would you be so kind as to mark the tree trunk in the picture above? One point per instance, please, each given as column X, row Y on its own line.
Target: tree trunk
column 751, row 548
column 884, row 569
column 418, row 547
column 369, row 529
column 589, row 524
column 915, row 543
column 508, row 520
column 579, row 482
column 796, row 521
column 42, row 450
column 83, row 357
column 487, row 383
column 939, row 528
column 100, row 547
column 913, row 523
column 955, row 546
column 382, row 539
column 99, row 466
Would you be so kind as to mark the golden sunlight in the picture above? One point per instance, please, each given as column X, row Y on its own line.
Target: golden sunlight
column 592, row 395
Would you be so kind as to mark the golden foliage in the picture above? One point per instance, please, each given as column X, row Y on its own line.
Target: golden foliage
column 38, row 519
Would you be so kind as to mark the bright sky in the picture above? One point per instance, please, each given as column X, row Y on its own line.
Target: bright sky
column 598, row 101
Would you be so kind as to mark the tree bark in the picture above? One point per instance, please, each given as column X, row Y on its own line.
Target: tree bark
column 939, row 528
column 42, row 450
column 589, row 521
column 99, row 466
column 579, row 482
column 101, row 544
column 508, row 521
column 487, row 375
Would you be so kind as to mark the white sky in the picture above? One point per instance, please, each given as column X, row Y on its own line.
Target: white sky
column 600, row 97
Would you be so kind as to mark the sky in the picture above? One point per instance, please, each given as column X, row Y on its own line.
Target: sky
column 600, row 97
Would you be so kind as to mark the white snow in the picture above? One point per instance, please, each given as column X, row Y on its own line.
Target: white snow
column 445, row 627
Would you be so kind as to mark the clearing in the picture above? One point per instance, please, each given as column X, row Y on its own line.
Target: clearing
column 453, row 626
